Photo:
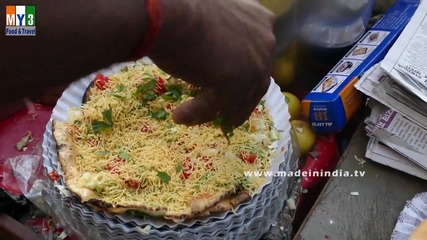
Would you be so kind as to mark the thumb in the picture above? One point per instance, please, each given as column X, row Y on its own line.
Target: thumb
column 201, row 109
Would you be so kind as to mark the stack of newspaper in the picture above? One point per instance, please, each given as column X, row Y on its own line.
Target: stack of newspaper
column 397, row 91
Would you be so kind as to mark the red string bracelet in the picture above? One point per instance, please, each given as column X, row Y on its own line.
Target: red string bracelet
column 155, row 20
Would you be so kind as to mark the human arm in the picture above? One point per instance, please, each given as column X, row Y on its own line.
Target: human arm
column 222, row 46
column 74, row 38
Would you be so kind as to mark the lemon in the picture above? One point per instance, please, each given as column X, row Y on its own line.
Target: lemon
column 305, row 135
column 284, row 72
column 284, row 68
column 294, row 105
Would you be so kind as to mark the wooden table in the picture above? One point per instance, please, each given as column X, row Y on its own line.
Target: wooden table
column 383, row 192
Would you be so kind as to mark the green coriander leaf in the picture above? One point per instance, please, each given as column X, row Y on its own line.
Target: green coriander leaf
column 108, row 116
column 124, row 155
column 178, row 168
column 159, row 115
column 121, row 87
column 262, row 103
column 102, row 153
column 119, row 95
column 173, row 92
column 77, row 122
column 150, row 95
column 24, row 141
column 164, row 177
column 100, row 126
column 144, row 88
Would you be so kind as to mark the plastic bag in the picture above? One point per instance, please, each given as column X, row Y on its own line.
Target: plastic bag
column 19, row 173
column 25, row 175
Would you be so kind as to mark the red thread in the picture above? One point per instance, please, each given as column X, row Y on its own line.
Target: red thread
column 155, row 21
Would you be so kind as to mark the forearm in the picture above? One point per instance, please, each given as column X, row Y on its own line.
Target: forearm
column 74, row 38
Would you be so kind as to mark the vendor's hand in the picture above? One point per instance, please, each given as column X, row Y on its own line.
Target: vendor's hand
column 225, row 48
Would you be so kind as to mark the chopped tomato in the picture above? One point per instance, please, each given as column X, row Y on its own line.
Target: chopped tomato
column 188, row 149
column 53, row 176
column 146, row 128
column 170, row 106
column 257, row 111
column 133, row 183
column 248, row 157
column 101, row 81
column 114, row 165
column 187, row 168
column 208, row 162
column 119, row 160
column 160, row 86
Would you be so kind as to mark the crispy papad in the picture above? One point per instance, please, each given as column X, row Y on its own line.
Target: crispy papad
column 202, row 206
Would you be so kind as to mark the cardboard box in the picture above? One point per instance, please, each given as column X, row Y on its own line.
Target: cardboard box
column 334, row 101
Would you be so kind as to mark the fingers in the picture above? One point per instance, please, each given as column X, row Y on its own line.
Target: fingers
column 199, row 110
column 234, row 107
column 241, row 109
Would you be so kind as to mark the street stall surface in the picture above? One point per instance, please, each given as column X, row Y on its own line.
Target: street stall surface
column 360, row 207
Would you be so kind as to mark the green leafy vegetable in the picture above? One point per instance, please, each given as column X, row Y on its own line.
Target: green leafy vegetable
column 150, row 95
column 173, row 93
column 102, row 153
column 146, row 90
column 77, row 122
column 119, row 92
column 124, row 155
column 100, row 126
column 149, row 86
column 119, row 95
column 121, row 88
column 159, row 115
column 108, row 116
column 164, row 177
column 24, row 141
column 178, row 168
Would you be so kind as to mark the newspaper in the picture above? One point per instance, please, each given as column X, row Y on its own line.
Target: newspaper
column 406, row 62
column 377, row 84
column 379, row 152
column 403, row 136
column 382, row 154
